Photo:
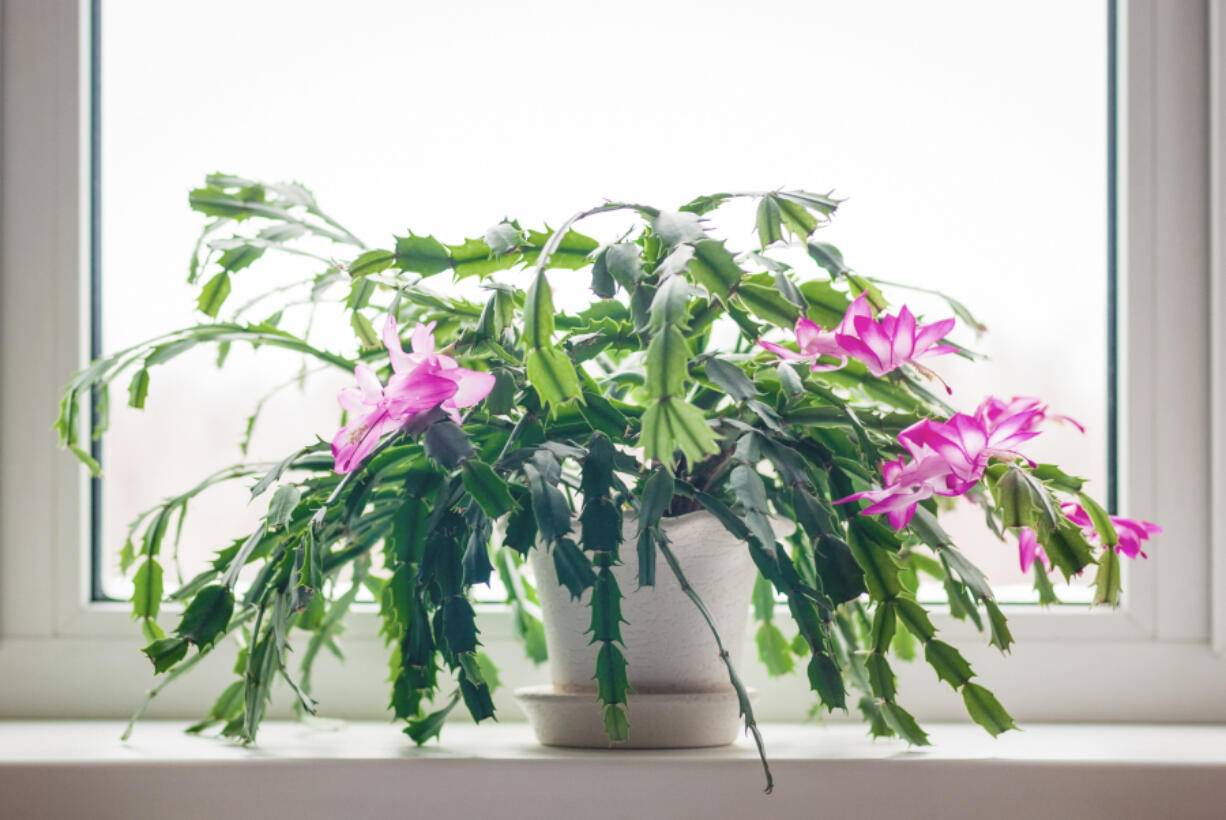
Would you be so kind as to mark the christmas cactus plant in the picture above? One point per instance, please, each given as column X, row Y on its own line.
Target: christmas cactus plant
column 746, row 382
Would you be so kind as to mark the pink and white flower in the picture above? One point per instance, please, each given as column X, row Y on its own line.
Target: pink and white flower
column 993, row 410
column 421, row 381
column 1131, row 531
column 813, row 343
column 471, row 385
column 883, row 344
column 905, row 485
column 968, row 443
column 377, row 411
column 888, row 343
column 949, row 457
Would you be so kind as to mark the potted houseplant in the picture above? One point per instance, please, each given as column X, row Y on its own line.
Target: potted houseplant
column 714, row 426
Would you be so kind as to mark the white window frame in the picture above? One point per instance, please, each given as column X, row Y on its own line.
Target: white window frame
column 1154, row 659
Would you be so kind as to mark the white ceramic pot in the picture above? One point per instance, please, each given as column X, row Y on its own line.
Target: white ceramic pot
column 681, row 693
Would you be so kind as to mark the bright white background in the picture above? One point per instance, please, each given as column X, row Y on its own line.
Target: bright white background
column 969, row 138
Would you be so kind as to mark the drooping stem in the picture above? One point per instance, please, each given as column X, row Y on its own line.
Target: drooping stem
column 171, row 677
column 751, row 725
column 331, row 625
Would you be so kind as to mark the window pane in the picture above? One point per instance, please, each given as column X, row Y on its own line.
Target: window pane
column 968, row 137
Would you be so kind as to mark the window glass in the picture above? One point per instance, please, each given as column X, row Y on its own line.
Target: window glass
column 969, row 139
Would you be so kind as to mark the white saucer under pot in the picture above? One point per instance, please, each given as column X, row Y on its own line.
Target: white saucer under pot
column 679, row 720
column 681, row 696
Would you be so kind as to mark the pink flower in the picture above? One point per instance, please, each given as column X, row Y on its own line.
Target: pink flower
column 949, row 457
column 421, row 381
column 967, row 444
column 992, row 410
column 471, row 385
column 1131, row 531
column 883, row 345
column 1028, row 549
column 905, row 485
column 888, row 343
column 813, row 343
column 377, row 411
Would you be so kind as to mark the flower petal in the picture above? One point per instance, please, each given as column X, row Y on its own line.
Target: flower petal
column 900, row 518
column 855, row 348
column 807, row 333
column 472, row 386
column 873, row 337
column 423, row 339
column 354, row 442
column 401, row 362
column 858, row 307
column 352, row 400
column 372, row 388
column 1027, row 548
column 931, row 334
column 421, row 389
column 904, row 336
column 782, row 352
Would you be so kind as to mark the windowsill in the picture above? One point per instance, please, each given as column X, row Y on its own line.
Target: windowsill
column 367, row 769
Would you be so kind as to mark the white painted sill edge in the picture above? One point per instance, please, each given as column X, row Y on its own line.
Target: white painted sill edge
column 369, row 769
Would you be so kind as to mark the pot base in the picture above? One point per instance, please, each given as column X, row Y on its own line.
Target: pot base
column 680, row 720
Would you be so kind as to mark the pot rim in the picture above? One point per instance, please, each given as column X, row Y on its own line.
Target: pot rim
column 670, row 521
